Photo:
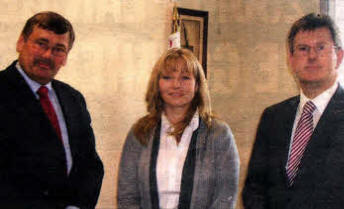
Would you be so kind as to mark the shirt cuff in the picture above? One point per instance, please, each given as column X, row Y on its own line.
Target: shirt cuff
column 72, row 207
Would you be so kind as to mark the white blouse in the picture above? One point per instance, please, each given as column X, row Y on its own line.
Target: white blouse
column 170, row 161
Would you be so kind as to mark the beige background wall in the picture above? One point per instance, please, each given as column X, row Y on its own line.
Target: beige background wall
column 118, row 42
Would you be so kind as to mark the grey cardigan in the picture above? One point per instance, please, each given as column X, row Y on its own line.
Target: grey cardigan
column 216, row 172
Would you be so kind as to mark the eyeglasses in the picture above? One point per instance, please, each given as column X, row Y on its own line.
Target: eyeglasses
column 320, row 49
column 43, row 46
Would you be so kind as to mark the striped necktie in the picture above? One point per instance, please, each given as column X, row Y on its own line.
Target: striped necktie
column 302, row 135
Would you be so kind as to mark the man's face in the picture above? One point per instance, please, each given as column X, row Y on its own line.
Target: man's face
column 315, row 59
column 42, row 54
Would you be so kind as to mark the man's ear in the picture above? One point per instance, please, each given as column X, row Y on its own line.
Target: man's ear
column 339, row 53
column 64, row 62
column 289, row 57
column 20, row 43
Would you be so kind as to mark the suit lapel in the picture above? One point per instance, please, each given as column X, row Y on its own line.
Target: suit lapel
column 288, row 118
column 152, row 168
column 201, row 146
column 323, row 135
column 31, row 117
column 145, row 170
column 26, row 103
column 69, row 112
column 24, row 97
column 63, row 100
column 188, row 173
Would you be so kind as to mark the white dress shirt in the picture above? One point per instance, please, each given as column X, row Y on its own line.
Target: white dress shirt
column 170, row 162
column 320, row 102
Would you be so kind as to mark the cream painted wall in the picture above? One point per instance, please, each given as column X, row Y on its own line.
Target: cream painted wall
column 118, row 41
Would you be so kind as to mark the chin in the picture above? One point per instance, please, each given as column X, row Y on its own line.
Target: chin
column 178, row 105
column 314, row 82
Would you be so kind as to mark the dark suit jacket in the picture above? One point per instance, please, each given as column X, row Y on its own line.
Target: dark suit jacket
column 320, row 179
column 32, row 157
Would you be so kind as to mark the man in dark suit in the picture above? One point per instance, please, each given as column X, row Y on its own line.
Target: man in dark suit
column 297, row 160
column 47, row 147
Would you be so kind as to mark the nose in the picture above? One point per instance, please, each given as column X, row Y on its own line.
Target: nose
column 313, row 53
column 47, row 53
column 176, row 83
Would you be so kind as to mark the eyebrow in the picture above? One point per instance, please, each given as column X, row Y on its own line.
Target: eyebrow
column 47, row 41
column 317, row 43
column 61, row 45
column 43, row 39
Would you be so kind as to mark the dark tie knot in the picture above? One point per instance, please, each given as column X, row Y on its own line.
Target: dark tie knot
column 309, row 107
column 43, row 91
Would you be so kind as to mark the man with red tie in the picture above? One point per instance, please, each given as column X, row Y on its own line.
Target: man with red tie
column 297, row 160
column 48, row 158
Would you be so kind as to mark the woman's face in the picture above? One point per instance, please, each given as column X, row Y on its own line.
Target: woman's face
column 177, row 86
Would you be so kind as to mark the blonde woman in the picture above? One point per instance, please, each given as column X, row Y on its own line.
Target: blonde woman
column 178, row 155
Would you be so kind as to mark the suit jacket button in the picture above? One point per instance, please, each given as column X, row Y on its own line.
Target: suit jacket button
column 46, row 193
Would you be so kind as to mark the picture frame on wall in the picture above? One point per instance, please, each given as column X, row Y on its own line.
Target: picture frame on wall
column 194, row 33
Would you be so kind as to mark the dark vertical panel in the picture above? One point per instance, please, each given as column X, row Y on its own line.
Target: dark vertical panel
column 324, row 7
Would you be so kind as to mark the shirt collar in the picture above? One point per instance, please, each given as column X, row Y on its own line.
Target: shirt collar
column 33, row 84
column 194, row 123
column 321, row 100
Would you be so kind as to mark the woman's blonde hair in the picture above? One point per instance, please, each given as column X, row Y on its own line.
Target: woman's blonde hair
column 201, row 101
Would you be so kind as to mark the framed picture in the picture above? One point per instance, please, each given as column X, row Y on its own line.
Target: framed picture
column 194, row 33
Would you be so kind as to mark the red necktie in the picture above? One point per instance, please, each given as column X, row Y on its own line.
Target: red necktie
column 302, row 135
column 49, row 109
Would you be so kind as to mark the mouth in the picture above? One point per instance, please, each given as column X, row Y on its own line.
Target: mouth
column 176, row 94
column 44, row 64
column 312, row 67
